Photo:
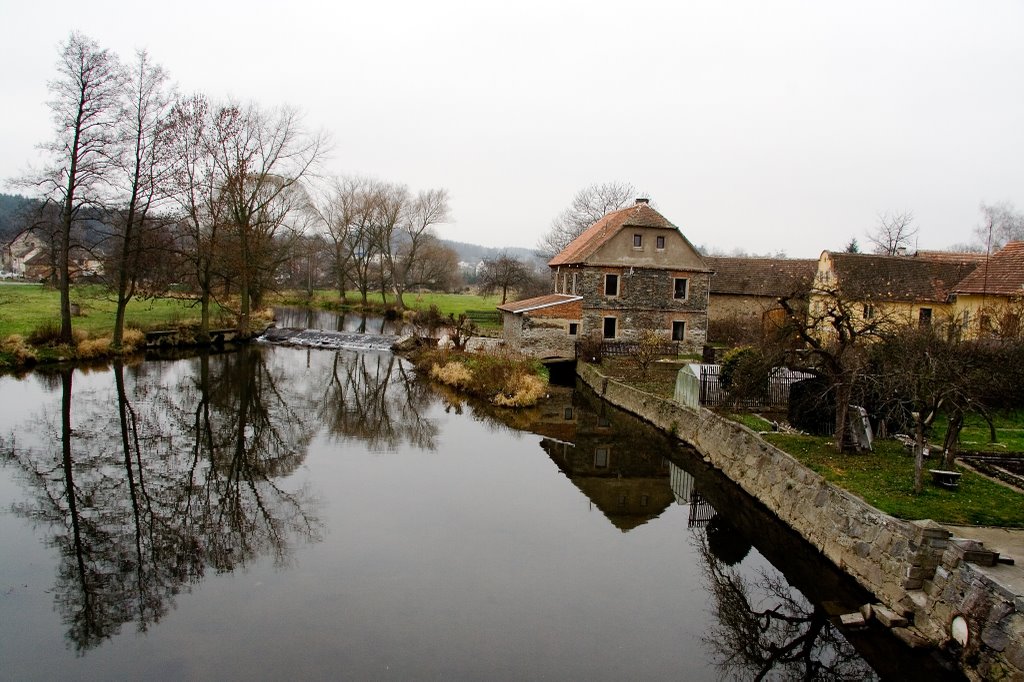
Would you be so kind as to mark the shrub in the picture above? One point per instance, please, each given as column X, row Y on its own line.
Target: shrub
column 18, row 349
column 89, row 349
column 132, row 340
column 522, row 390
column 45, row 334
column 452, row 374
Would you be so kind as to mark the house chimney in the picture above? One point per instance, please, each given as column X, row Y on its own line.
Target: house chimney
column 642, row 200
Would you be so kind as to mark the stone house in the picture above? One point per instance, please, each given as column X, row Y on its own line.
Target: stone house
column 631, row 271
column 891, row 289
column 990, row 300
column 745, row 292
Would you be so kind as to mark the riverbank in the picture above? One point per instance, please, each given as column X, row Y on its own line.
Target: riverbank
column 919, row 570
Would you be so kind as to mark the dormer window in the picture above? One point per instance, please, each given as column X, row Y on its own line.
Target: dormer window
column 638, row 241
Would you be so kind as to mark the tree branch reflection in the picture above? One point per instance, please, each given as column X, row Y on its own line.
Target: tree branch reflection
column 183, row 474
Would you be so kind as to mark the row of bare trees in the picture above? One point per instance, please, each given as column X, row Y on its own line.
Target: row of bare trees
column 217, row 197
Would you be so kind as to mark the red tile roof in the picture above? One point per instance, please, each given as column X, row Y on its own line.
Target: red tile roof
column 1003, row 274
column 546, row 301
column 581, row 248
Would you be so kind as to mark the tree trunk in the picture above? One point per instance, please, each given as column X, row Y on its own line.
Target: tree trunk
column 843, row 392
column 951, row 443
column 918, row 453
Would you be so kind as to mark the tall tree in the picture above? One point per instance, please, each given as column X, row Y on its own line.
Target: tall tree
column 85, row 106
column 261, row 165
column 141, row 170
column 1001, row 223
column 196, row 130
column 587, row 207
column 408, row 248
column 894, row 232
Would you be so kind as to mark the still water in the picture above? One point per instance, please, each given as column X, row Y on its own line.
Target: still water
column 279, row 513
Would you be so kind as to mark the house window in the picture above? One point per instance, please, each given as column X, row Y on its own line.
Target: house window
column 678, row 330
column 966, row 318
column 609, row 327
column 659, row 243
column 611, row 285
column 601, row 458
column 565, row 283
column 679, row 287
column 568, row 414
column 638, row 241
column 574, row 328
column 869, row 311
column 924, row 317
column 574, row 283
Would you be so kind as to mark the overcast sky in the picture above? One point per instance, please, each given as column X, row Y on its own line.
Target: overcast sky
column 760, row 126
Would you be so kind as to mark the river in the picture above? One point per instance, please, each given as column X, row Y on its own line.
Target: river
column 286, row 513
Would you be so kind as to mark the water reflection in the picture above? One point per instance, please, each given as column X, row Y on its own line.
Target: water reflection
column 182, row 476
column 620, row 463
column 336, row 321
column 772, row 620
column 375, row 398
column 486, row 559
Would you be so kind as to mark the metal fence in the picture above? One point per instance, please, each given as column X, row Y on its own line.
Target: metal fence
column 775, row 396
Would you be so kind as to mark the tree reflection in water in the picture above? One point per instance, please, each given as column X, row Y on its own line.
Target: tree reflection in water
column 183, row 474
column 375, row 398
column 765, row 628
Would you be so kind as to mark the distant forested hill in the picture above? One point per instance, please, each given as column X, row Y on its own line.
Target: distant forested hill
column 474, row 253
column 14, row 210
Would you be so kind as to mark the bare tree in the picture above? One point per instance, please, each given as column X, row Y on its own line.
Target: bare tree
column 196, row 129
column 85, row 98
column 1001, row 223
column 835, row 341
column 142, row 169
column 261, row 163
column 894, row 232
column 588, row 206
column 415, row 233
column 501, row 274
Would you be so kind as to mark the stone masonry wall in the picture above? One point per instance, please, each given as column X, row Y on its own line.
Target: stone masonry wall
column 914, row 568
column 645, row 301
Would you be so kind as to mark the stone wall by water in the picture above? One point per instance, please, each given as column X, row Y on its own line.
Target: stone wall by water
column 916, row 569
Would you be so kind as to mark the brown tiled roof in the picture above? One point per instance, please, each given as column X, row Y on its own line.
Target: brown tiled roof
column 546, row 301
column 954, row 256
column 1003, row 274
column 638, row 215
column 871, row 277
column 761, row 276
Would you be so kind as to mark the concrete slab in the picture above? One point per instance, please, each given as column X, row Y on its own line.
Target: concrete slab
column 1008, row 542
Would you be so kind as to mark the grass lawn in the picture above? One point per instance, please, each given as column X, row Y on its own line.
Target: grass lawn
column 885, row 479
column 660, row 379
column 446, row 303
column 975, row 435
column 26, row 307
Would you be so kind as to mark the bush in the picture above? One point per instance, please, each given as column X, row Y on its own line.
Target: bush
column 90, row 349
column 504, row 379
column 523, row 390
column 745, row 373
column 15, row 346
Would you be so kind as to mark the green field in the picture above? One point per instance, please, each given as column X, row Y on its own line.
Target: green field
column 479, row 308
column 27, row 307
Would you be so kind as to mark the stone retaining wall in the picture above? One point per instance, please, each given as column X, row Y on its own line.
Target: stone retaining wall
column 915, row 568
